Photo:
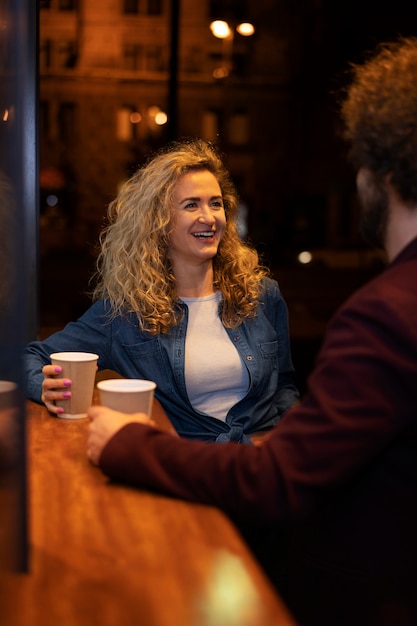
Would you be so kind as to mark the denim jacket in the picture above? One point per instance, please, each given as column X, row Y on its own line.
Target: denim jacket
column 262, row 342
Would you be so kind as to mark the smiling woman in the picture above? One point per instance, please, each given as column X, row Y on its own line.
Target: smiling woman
column 198, row 224
column 182, row 301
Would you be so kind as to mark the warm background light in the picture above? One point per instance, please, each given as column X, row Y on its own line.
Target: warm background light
column 135, row 117
column 246, row 29
column 220, row 72
column 161, row 118
column 305, row 257
column 220, row 29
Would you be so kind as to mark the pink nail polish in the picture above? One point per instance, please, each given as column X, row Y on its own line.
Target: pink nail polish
column 67, row 394
column 58, row 369
column 67, row 383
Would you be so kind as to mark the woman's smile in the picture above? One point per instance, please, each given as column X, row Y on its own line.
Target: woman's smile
column 199, row 218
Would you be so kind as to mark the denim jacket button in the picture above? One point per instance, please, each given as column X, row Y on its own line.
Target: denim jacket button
column 249, row 358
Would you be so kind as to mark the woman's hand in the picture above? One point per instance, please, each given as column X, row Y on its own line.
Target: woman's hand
column 104, row 424
column 54, row 388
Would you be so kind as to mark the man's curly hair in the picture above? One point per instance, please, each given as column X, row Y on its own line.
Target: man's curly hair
column 380, row 115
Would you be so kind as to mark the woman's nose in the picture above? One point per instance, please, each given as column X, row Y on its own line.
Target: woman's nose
column 206, row 216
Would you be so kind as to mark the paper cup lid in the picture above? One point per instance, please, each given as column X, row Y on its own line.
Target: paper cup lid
column 126, row 384
column 74, row 356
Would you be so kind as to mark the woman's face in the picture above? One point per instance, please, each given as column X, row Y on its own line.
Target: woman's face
column 198, row 218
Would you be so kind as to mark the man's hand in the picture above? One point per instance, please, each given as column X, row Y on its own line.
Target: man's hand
column 104, row 423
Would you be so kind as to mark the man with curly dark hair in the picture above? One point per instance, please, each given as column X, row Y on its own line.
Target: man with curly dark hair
column 379, row 113
column 340, row 469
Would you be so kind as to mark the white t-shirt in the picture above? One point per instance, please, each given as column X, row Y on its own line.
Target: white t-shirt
column 215, row 375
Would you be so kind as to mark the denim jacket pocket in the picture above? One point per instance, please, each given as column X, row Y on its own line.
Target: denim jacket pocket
column 149, row 361
column 269, row 350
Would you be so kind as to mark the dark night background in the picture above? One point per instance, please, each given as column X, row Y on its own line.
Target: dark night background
column 339, row 32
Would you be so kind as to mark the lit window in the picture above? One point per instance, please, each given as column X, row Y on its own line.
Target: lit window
column 67, row 5
column 133, row 57
column 210, row 125
column 238, row 129
column 45, row 51
column 131, row 6
column 66, row 121
column 146, row 7
column 66, row 54
column 194, row 59
column 127, row 120
column 44, row 122
column 155, row 60
column 234, row 8
column 154, row 7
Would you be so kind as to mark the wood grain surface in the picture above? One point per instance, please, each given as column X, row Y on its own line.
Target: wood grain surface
column 108, row 555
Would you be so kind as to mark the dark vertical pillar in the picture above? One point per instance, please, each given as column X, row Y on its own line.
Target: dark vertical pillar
column 18, row 263
column 173, row 71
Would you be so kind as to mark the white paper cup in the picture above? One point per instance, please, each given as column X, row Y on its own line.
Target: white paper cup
column 128, row 395
column 80, row 368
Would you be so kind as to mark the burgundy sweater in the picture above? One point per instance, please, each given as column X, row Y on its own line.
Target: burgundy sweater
column 340, row 468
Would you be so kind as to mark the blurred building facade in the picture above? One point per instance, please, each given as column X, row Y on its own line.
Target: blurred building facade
column 106, row 83
column 111, row 70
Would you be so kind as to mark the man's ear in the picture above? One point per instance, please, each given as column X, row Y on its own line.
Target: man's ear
column 392, row 191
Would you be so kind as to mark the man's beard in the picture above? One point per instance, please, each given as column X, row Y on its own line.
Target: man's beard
column 374, row 209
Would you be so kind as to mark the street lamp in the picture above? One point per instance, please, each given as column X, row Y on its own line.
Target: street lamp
column 222, row 30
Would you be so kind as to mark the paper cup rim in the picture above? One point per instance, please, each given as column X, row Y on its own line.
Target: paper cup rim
column 74, row 357
column 7, row 385
column 126, row 385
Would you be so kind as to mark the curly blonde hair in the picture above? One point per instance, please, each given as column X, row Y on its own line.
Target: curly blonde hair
column 133, row 269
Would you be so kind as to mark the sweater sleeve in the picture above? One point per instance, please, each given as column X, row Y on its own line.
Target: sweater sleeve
column 355, row 407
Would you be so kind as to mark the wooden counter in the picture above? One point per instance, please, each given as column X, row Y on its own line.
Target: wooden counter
column 109, row 555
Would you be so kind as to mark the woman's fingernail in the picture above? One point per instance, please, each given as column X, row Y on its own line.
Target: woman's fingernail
column 60, row 410
column 58, row 369
column 67, row 383
column 67, row 394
